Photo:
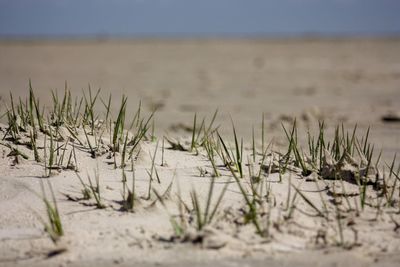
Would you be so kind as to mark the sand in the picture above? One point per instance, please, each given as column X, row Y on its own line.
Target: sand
column 146, row 237
column 335, row 80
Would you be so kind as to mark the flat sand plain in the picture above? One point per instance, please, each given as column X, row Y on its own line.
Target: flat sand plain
column 349, row 81
column 338, row 80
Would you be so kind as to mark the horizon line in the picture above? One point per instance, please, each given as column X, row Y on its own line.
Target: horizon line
column 205, row 35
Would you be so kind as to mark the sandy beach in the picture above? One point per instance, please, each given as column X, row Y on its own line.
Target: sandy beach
column 163, row 189
column 355, row 81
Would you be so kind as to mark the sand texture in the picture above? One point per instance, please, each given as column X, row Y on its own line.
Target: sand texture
column 334, row 207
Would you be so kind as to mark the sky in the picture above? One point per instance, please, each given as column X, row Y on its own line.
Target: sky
column 58, row 18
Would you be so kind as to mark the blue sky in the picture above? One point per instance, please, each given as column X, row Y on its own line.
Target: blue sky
column 197, row 18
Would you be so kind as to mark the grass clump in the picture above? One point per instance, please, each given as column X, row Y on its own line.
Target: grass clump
column 76, row 122
column 92, row 189
column 128, row 195
column 206, row 217
column 233, row 157
column 53, row 226
column 200, row 134
column 200, row 215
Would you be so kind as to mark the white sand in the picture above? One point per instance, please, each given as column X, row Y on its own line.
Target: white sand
column 105, row 236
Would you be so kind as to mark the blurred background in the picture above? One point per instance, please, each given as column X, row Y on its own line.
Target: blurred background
column 190, row 18
column 332, row 60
